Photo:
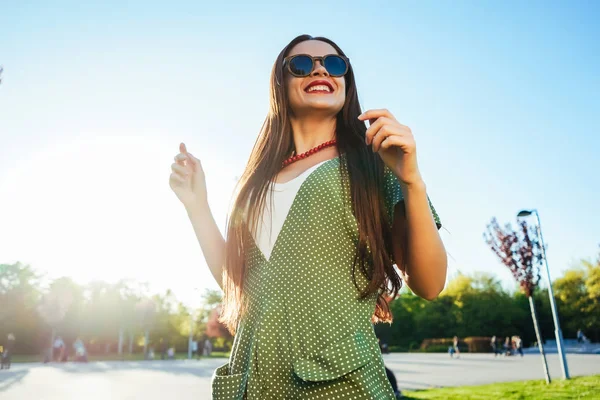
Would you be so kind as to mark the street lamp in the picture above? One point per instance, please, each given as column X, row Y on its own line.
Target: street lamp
column 557, row 331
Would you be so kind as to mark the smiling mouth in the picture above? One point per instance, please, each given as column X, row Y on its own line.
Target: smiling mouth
column 319, row 87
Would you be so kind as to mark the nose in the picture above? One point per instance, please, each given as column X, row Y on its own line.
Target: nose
column 319, row 69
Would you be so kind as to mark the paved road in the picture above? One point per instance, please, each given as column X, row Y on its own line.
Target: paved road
column 183, row 380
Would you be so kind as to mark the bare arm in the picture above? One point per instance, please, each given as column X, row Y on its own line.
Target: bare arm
column 210, row 239
column 425, row 260
column 188, row 182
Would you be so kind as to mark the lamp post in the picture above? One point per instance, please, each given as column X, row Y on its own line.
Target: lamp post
column 557, row 331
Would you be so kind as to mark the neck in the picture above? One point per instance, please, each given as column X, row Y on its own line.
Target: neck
column 310, row 132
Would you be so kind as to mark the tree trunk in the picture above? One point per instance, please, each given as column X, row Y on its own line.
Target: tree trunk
column 539, row 338
column 50, row 353
column 146, row 338
column 130, row 343
column 120, row 348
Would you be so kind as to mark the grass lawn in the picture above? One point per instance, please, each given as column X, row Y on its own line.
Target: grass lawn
column 111, row 357
column 585, row 387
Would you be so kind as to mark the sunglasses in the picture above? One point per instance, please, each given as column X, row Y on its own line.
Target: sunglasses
column 301, row 65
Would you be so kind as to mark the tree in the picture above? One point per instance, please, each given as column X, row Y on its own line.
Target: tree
column 210, row 300
column 571, row 297
column 18, row 290
column 592, row 286
column 521, row 253
column 55, row 308
column 19, row 296
column 146, row 312
column 578, row 295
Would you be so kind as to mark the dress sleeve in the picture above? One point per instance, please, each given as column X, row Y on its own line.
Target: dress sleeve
column 393, row 195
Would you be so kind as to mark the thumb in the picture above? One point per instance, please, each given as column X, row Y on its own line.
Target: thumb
column 182, row 148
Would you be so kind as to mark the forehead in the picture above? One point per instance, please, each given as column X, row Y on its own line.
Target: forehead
column 313, row 47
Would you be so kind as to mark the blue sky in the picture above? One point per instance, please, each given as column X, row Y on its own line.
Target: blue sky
column 502, row 98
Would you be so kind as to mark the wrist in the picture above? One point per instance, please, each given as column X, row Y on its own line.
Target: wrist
column 413, row 187
column 196, row 207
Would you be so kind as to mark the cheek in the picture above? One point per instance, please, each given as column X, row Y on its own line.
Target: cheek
column 342, row 86
column 292, row 89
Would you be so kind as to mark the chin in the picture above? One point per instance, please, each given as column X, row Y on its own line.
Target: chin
column 323, row 106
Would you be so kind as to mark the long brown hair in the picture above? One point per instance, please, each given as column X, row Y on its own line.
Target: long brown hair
column 360, row 167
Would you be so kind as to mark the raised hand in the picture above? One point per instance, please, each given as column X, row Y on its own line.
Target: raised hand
column 395, row 144
column 187, row 179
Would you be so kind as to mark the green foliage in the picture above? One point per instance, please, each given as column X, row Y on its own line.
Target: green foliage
column 577, row 295
column 477, row 305
column 95, row 312
column 586, row 387
column 470, row 306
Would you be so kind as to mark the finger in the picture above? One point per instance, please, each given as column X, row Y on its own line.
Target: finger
column 180, row 169
column 373, row 128
column 376, row 113
column 182, row 148
column 405, row 142
column 380, row 136
column 176, row 179
column 186, row 159
column 395, row 140
column 180, row 158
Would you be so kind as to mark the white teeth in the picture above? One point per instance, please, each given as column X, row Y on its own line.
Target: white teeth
column 319, row 87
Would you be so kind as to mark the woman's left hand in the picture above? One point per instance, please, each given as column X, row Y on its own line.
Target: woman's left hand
column 395, row 144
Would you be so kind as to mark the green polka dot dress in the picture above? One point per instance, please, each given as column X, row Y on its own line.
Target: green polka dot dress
column 306, row 334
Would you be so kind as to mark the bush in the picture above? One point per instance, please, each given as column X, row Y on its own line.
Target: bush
column 436, row 348
column 444, row 342
column 480, row 344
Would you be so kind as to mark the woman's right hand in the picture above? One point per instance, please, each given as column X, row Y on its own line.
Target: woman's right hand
column 187, row 179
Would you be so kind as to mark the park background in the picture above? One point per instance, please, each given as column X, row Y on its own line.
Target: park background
column 95, row 98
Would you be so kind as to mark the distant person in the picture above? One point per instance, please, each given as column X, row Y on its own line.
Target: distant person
column 580, row 336
column 58, row 349
column 494, row 344
column 195, row 349
column 7, row 351
column 163, row 349
column 507, row 347
column 80, row 351
column 383, row 346
column 519, row 345
column 208, row 347
column 455, row 348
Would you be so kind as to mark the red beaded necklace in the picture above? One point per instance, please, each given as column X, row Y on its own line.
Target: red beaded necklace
column 308, row 153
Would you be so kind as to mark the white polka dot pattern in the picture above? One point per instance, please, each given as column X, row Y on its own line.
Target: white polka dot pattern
column 307, row 335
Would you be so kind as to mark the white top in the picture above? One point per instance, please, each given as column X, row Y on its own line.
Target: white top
column 281, row 199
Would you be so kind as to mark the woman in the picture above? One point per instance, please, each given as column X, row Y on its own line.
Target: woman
column 323, row 210
column 455, row 348
column 507, row 347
